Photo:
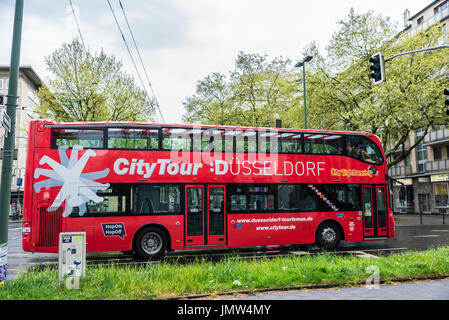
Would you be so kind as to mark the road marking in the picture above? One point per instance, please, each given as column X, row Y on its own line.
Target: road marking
column 427, row 236
column 440, row 230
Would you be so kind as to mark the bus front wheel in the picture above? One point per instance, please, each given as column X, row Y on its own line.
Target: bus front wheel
column 328, row 235
column 151, row 243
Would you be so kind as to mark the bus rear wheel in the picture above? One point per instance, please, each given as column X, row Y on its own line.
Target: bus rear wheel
column 151, row 243
column 328, row 236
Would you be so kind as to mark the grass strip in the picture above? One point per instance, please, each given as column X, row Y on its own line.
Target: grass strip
column 165, row 280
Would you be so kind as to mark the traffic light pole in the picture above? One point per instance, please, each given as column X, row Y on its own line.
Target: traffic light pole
column 415, row 51
column 9, row 141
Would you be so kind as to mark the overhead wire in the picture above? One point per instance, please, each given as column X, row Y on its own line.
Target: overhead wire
column 130, row 54
column 77, row 25
column 141, row 61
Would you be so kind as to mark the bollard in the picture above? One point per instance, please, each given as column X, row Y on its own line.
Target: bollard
column 443, row 213
column 420, row 216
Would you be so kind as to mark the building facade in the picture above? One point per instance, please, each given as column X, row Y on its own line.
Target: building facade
column 29, row 82
column 423, row 178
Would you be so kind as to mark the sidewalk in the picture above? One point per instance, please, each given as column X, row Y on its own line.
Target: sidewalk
column 408, row 220
column 424, row 290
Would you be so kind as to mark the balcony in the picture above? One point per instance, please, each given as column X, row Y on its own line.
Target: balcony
column 440, row 136
column 400, row 171
column 437, row 165
column 439, row 16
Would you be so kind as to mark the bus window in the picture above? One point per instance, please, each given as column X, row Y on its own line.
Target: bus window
column 296, row 197
column 364, row 149
column 323, row 144
column 155, row 199
column 140, row 139
column 246, row 142
column 290, row 142
column 201, row 139
column 219, row 141
column 114, row 203
column 345, row 196
column 176, row 139
column 87, row 138
column 268, row 142
column 249, row 198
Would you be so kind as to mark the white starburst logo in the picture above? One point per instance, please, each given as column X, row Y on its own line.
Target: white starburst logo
column 78, row 188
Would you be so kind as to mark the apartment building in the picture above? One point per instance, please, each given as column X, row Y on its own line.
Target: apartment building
column 29, row 82
column 423, row 178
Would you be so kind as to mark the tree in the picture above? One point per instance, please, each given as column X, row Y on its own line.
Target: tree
column 408, row 101
column 212, row 103
column 256, row 92
column 340, row 92
column 91, row 87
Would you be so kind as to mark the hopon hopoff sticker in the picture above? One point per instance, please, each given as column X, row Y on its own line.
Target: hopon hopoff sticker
column 77, row 188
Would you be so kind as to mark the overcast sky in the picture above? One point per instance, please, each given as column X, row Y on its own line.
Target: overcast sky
column 182, row 41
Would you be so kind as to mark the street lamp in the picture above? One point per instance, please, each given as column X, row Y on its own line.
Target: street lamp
column 303, row 65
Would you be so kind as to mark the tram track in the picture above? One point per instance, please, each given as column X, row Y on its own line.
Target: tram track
column 120, row 259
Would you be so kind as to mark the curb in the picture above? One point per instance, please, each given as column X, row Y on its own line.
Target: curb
column 303, row 287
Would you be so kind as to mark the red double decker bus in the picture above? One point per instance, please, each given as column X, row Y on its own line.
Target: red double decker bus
column 152, row 188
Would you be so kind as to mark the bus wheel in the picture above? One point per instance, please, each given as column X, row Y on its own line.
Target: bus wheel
column 151, row 243
column 328, row 236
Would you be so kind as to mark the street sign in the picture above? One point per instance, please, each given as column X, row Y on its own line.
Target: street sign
column 5, row 121
column 19, row 182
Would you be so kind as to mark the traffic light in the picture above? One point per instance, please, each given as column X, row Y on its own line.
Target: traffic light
column 377, row 68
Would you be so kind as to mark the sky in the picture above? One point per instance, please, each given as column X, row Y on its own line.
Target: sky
column 183, row 41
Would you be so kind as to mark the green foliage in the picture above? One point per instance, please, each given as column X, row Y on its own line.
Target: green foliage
column 407, row 101
column 156, row 281
column 340, row 92
column 90, row 87
column 255, row 93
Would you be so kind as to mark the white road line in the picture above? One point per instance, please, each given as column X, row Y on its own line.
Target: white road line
column 427, row 236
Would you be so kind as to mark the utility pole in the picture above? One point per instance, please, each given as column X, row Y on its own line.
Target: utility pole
column 8, row 145
column 303, row 65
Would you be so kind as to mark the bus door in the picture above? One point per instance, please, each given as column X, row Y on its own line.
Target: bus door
column 205, row 215
column 216, row 210
column 381, row 203
column 374, row 211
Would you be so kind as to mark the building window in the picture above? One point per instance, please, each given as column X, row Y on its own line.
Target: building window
column 420, row 20
column 441, row 194
column 424, row 205
column 405, row 196
column 440, row 191
column 421, row 151
column 1, row 83
column 437, row 153
column 441, row 7
column 408, row 162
